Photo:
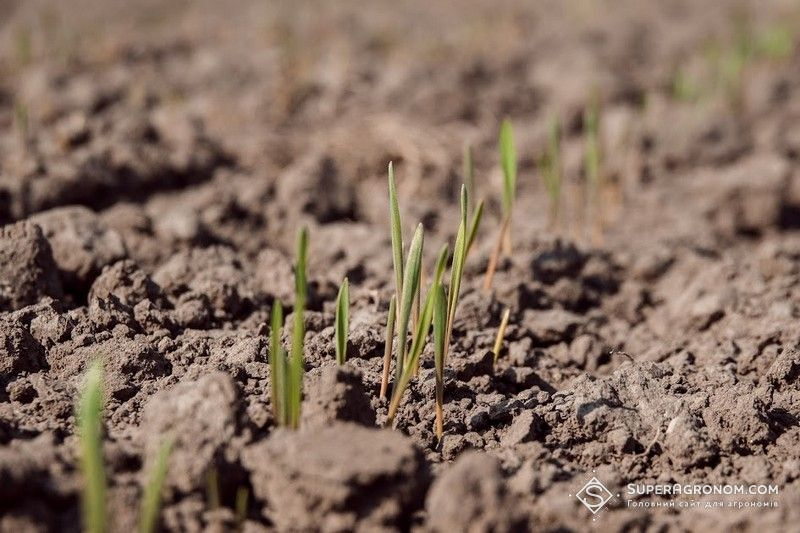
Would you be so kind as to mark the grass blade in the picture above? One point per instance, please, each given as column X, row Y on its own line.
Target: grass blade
column 410, row 284
column 501, row 333
column 469, row 172
column 477, row 215
column 240, row 505
column 151, row 499
column 342, row 322
column 508, row 161
column 90, row 432
column 439, row 339
column 397, row 233
column 457, row 270
column 277, row 363
column 387, row 352
column 298, row 331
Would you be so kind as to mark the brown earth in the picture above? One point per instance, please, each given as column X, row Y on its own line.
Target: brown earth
column 156, row 160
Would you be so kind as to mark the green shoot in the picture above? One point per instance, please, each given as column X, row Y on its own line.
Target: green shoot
column 387, row 353
column 501, row 333
column 508, row 161
column 407, row 369
column 240, row 505
column 469, row 172
column 397, row 235
column 410, row 284
column 592, row 163
column 90, row 432
column 22, row 121
column 295, row 392
column 342, row 322
column 439, row 339
column 151, row 499
column 287, row 369
column 212, row 489
column 277, row 362
column 457, row 269
column 550, row 169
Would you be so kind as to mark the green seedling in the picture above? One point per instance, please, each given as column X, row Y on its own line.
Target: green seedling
column 90, row 433
column 407, row 371
column 240, row 505
column 397, row 236
column 287, row 369
column 387, row 352
column 550, row 169
column 501, row 333
column 508, row 161
column 342, row 321
column 151, row 499
column 439, row 344
column 213, row 499
column 594, row 179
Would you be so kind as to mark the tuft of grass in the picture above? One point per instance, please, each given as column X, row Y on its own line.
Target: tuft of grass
column 501, row 333
column 508, row 162
column 151, row 499
column 387, row 352
column 407, row 370
column 287, row 369
column 550, row 169
column 90, row 433
column 342, row 321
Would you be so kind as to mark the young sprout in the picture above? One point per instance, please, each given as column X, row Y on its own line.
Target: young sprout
column 407, row 370
column 298, row 331
column 277, row 363
column 287, row 369
column 593, row 174
column 240, row 505
column 397, row 235
column 90, row 433
column 508, row 160
column 151, row 499
column 439, row 340
column 212, row 489
column 550, row 168
column 387, row 353
column 501, row 333
column 342, row 322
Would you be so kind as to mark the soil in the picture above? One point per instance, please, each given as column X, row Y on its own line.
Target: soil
column 156, row 160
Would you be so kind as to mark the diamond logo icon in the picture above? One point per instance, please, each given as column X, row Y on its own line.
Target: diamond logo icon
column 594, row 495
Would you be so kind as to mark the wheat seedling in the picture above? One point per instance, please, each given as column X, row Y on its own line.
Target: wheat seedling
column 417, row 345
column 90, row 432
column 342, row 321
column 469, row 172
column 501, row 333
column 151, row 499
column 410, row 285
column 593, row 174
column 387, row 352
column 287, row 369
column 508, row 160
column 439, row 340
column 550, row 169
